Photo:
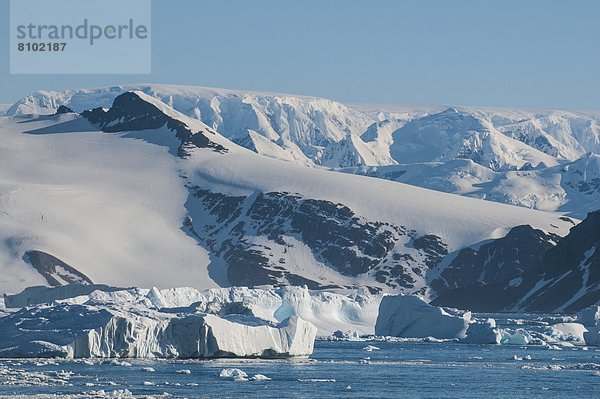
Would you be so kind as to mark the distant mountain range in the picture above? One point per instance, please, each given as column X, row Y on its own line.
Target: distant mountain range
column 176, row 185
column 543, row 159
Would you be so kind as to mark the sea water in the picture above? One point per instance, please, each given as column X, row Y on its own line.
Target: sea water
column 337, row 369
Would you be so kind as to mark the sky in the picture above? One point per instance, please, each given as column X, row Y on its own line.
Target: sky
column 527, row 53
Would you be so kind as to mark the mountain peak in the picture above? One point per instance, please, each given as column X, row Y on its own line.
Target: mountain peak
column 135, row 111
column 450, row 110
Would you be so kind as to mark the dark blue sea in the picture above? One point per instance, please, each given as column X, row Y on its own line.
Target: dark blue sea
column 336, row 370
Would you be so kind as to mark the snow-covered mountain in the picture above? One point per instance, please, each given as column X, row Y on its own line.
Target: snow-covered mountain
column 532, row 158
column 558, row 278
column 452, row 135
column 142, row 194
column 571, row 187
column 276, row 125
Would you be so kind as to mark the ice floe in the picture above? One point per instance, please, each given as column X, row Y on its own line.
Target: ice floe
column 370, row 348
column 236, row 374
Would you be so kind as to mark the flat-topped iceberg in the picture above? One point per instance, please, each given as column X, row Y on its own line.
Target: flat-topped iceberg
column 115, row 324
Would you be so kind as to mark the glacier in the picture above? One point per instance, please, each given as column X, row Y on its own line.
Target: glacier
column 188, row 203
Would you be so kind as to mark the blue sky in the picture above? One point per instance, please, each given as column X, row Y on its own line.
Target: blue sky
column 543, row 53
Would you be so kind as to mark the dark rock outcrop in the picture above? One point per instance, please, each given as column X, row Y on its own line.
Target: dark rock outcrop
column 520, row 251
column 257, row 237
column 130, row 112
column 566, row 279
column 55, row 271
column 63, row 109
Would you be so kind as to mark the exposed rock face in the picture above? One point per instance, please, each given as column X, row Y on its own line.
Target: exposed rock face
column 130, row 112
column 257, row 237
column 55, row 271
column 254, row 237
column 520, row 251
column 566, row 279
column 308, row 229
column 63, row 109
column 570, row 270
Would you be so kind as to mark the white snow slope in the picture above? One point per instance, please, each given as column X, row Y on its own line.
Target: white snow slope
column 112, row 205
column 572, row 188
column 313, row 131
column 276, row 125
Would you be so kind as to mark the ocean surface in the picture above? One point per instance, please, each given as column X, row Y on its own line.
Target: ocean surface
column 337, row 369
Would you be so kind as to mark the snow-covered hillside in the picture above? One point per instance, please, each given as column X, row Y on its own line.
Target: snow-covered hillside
column 452, row 135
column 276, row 125
column 572, row 187
column 143, row 195
column 432, row 140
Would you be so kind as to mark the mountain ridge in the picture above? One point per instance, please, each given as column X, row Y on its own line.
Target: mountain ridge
column 224, row 215
column 317, row 132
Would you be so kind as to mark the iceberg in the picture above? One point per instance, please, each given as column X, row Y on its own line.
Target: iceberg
column 518, row 337
column 234, row 374
column 483, row 332
column 344, row 336
column 411, row 317
column 118, row 328
column 589, row 316
column 355, row 311
column 592, row 336
column 109, row 322
column 567, row 332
